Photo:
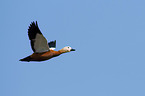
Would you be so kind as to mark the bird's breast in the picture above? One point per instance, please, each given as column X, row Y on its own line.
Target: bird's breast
column 44, row 56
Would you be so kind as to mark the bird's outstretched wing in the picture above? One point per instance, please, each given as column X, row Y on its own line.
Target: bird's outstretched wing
column 38, row 41
column 52, row 45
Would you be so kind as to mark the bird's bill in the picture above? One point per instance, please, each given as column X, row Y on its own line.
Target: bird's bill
column 72, row 50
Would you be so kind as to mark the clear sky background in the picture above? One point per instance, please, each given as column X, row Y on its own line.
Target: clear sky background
column 108, row 35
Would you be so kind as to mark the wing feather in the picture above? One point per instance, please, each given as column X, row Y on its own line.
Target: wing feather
column 38, row 41
column 52, row 45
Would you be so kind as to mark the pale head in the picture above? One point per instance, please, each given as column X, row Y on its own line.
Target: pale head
column 66, row 49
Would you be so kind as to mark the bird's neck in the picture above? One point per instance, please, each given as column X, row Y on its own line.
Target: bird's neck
column 61, row 51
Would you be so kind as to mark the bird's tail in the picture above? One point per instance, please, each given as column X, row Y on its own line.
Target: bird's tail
column 27, row 59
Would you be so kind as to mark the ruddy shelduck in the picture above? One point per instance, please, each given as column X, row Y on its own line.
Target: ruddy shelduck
column 42, row 50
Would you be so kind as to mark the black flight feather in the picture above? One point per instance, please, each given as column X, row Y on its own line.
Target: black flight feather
column 33, row 30
column 52, row 44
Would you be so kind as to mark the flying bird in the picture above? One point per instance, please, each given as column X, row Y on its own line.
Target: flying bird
column 42, row 50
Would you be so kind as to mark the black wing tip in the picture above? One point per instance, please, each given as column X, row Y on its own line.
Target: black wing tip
column 36, row 23
column 33, row 30
column 52, row 44
column 33, row 24
column 53, row 41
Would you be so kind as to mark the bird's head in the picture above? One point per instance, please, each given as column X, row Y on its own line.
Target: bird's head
column 66, row 49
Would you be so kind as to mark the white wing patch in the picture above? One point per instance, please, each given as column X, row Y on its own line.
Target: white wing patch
column 40, row 44
column 52, row 48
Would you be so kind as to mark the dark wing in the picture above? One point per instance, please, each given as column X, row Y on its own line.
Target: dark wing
column 38, row 41
column 52, row 45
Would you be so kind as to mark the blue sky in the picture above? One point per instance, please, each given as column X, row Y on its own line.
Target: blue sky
column 108, row 35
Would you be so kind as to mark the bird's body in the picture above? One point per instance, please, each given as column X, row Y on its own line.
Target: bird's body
column 42, row 50
column 42, row 56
